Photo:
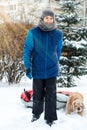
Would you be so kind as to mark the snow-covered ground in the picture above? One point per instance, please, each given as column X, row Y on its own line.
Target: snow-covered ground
column 14, row 116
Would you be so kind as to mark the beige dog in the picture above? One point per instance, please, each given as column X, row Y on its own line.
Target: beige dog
column 75, row 103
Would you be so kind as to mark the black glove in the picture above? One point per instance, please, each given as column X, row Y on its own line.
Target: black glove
column 29, row 73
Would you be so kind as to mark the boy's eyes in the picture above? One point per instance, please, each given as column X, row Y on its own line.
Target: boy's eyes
column 49, row 18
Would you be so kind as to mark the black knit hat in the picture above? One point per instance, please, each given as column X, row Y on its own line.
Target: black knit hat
column 47, row 12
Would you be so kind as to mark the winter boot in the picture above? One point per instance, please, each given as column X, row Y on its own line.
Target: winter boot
column 35, row 117
column 49, row 123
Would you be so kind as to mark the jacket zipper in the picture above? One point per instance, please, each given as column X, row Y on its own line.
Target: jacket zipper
column 46, row 56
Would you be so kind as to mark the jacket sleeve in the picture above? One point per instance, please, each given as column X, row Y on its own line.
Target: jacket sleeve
column 60, row 42
column 28, row 49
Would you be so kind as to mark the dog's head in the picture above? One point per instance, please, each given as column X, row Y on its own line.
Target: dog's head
column 77, row 106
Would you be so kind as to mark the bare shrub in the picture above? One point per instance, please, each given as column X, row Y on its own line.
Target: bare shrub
column 12, row 36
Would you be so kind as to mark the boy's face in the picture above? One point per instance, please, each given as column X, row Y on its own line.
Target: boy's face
column 48, row 19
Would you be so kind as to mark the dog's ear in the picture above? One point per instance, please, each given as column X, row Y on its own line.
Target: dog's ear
column 82, row 105
column 73, row 105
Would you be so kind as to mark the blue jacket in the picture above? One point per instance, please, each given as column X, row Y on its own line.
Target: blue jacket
column 42, row 51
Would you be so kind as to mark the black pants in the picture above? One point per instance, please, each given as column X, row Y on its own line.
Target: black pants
column 45, row 90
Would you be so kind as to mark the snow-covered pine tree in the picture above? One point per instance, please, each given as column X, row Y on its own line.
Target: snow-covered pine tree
column 74, row 52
